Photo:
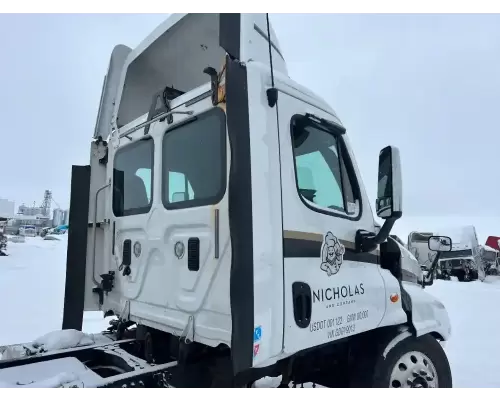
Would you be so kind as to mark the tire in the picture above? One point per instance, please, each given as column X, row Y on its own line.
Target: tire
column 430, row 360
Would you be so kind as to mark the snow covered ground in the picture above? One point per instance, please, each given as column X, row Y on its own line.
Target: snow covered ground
column 32, row 282
column 473, row 350
column 32, row 291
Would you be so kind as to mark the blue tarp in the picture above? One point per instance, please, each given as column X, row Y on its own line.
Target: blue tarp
column 61, row 228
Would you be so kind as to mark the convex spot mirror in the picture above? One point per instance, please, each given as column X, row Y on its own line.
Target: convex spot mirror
column 439, row 243
column 390, row 190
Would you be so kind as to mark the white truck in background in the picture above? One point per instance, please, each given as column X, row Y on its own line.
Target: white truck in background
column 412, row 266
column 464, row 261
column 465, row 258
column 491, row 260
column 3, row 237
column 417, row 245
column 491, row 255
column 223, row 220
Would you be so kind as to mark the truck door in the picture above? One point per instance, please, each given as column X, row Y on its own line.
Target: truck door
column 331, row 292
column 173, row 218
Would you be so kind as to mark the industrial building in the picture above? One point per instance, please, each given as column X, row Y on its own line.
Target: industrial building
column 38, row 216
column 31, row 211
column 60, row 217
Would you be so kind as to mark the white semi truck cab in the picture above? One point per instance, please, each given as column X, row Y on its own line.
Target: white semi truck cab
column 465, row 259
column 418, row 246
column 223, row 219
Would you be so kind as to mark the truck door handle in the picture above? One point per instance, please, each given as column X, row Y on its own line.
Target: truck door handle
column 302, row 304
column 126, row 257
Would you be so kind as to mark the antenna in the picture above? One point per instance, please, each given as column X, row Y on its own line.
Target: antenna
column 272, row 93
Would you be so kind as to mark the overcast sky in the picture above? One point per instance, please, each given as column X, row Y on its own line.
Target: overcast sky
column 429, row 84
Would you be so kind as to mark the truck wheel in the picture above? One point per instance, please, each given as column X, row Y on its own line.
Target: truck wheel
column 415, row 362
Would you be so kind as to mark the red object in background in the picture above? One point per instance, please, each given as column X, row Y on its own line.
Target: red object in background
column 492, row 241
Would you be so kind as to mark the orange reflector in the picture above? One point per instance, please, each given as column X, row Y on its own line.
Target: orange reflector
column 394, row 297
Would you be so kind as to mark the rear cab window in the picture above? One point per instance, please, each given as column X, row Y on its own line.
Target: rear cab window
column 194, row 162
column 133, row 178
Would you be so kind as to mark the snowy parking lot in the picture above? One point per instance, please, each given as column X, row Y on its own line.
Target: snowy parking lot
column 32, row 291
column 32, row 282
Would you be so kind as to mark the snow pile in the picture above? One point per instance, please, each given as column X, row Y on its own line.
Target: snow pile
column 66, row 339
column 488, row 248
column 55, row 381
column 32, row 280
column 57, row 340
column 52, row 237
column 16, row 239
column 55, row 373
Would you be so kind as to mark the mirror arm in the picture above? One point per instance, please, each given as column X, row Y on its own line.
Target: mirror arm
column 368, row 241
column 431, row 270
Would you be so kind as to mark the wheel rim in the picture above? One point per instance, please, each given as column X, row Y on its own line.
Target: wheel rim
column 414, row 370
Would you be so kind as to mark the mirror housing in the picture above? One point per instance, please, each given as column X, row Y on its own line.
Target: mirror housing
column 390, row 188
column 389, row 200
column 439, row 243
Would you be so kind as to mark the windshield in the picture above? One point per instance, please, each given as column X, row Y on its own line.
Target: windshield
column 456, row 254
column 420, row 237
column 489, row 255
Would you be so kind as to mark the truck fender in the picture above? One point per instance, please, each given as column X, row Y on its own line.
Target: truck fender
column 403, row 334
column 428, row 314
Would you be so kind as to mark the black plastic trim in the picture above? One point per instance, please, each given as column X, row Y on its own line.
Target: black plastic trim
column 302, row 304
column 229, row 34
column 76, row 260
column 302, row 248
column 240, row 217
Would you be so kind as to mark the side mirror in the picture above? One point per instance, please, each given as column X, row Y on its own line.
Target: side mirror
column 179, row 196
column 439, row 243
column 390, row 188
column 389, row 199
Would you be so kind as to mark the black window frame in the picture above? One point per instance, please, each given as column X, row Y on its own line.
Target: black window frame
column 201, row 202
column 130, row 147
column 346, row 160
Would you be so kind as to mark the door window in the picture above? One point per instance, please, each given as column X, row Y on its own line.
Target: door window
column 324, row 180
